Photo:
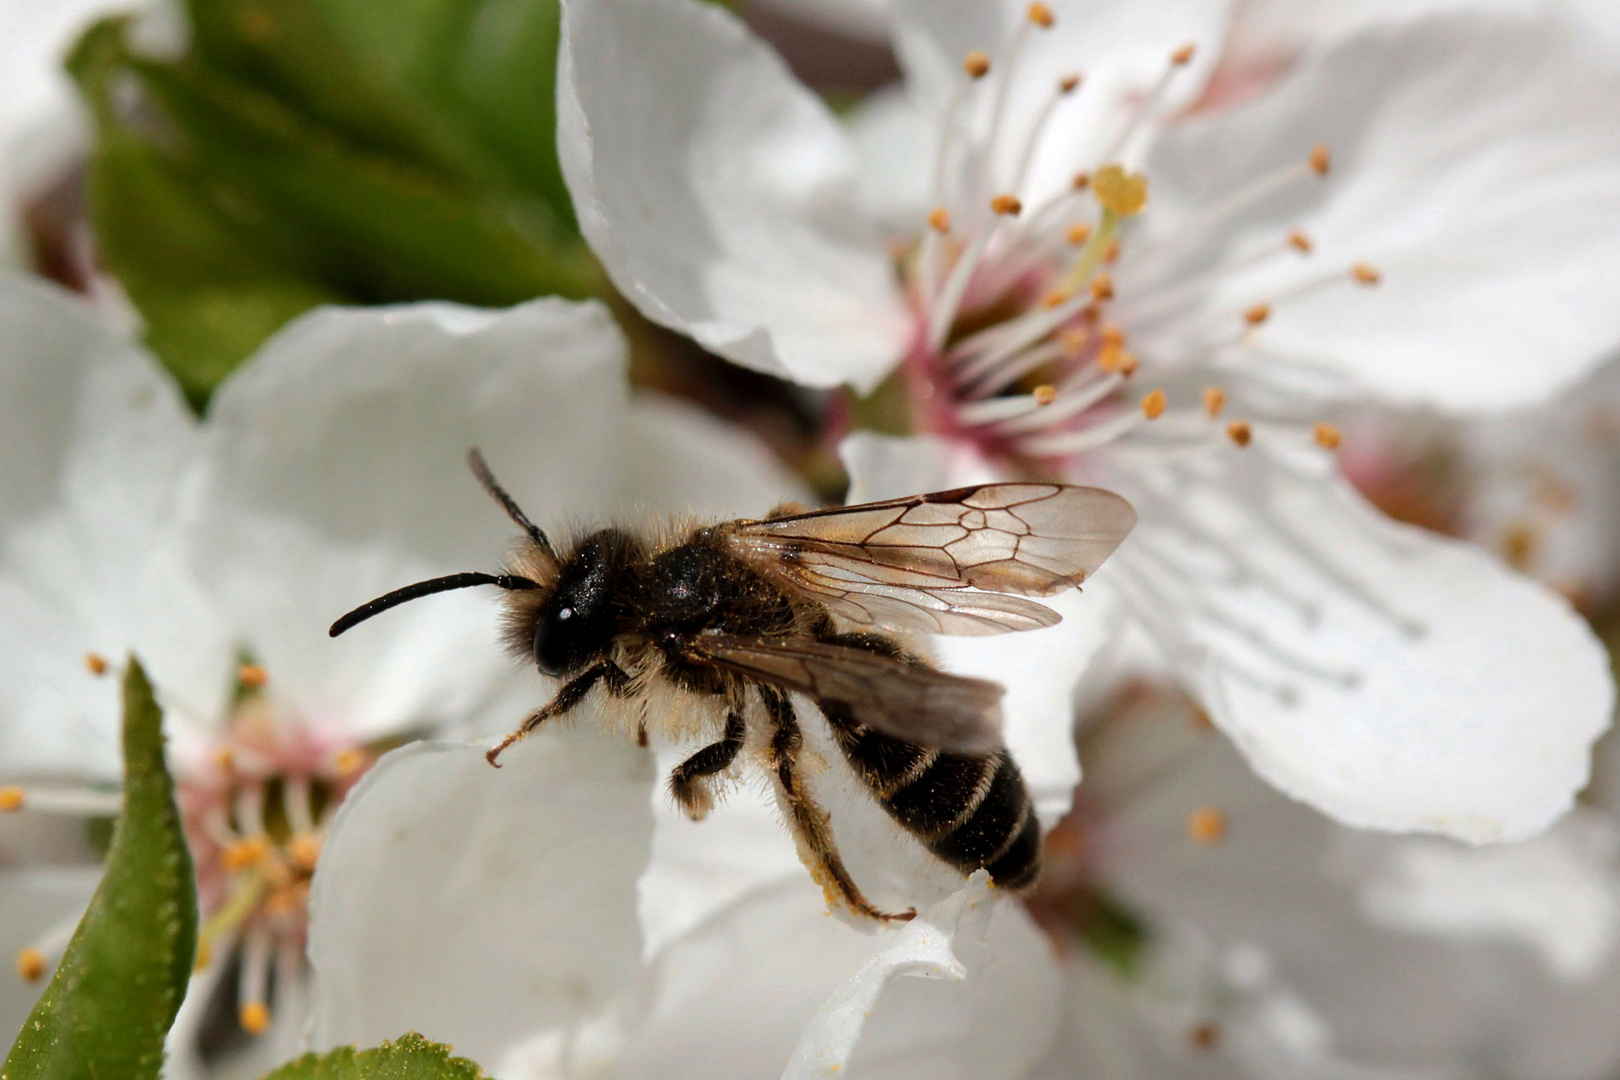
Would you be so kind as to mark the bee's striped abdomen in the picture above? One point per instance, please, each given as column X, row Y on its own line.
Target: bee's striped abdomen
column 969, row 811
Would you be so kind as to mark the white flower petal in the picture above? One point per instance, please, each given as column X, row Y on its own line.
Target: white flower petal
column 1120, row 49
column 1476, row 165
column 94, row 440
column 966, row 989
column 1390, row 677
column 893, row 141
column 34, row 901
column 721, row 195
column 313, row 503
column 481, row 907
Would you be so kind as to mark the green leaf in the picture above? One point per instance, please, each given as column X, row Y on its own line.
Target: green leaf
column 410, row 1057
column 120, row 983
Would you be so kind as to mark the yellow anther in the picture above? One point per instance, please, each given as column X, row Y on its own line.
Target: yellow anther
column 226, row 760
column 1206, row 825
column 95, row 663
column 1258, row 314
column 1079, row 233
column 1366, row 274
column 1214, row 401
column 1113, row 336
column 1239, row 432
column 1183, row 56
column 11, row 799
column 1044, row 394
column 1300, row 241
column 252, row 676
column 1069, row 83
column 1073, row 341
column 1519, row 543
column 1327, row 435
column 939, row 219
column 976, row 64
column 1111, row 358
column 1007, row 205
column 254, row 1017
column 205, row 955
column 1321, row 160
column 288, row 900
column 1041, row 15
column 304, row 850
column 1111, row 252
column 31, row 965
column 1153, row 405
column 245, row 853
column 1102, row 287
column 1117, row 190
column 1081, row 181
column 348, row 762
column 1054, row 298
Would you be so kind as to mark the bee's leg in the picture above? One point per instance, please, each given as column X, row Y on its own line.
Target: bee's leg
column 686, row 779
column 810, row 823
column 567, row 699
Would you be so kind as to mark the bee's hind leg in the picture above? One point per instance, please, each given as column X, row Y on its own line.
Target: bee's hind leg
column 810, row 823
column 687, row 780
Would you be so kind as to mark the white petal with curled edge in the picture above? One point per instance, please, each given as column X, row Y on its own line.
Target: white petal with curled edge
column 1392, row 678
column 1121, row 50
column 481, row 907
column 966, row 989
column 1041, row 669
column 317, row 500
column 1476, row 166
column 94, row 442
column 720, row 194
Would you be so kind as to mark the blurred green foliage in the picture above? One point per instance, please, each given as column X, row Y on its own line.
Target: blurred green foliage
column 121, row 981
column 308, row 151
column 409, row 1058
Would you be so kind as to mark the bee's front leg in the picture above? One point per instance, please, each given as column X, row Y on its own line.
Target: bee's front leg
column 567, row 699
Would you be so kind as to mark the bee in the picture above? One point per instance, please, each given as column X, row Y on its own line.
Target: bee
column 741, row 615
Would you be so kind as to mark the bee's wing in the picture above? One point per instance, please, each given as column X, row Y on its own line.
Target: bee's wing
column 916, row 562
column 905, row 700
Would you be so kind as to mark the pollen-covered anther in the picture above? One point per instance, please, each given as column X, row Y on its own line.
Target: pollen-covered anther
column 31, row 965
column 1214, row 401
column 1366, row 274
column 1153, row 404
column 1069, row 83
column 95, row 663
column 1301, row 241
column 1111, row 252
column 251, row 676
column 1044, row 394
column 1040, row 15
column 976, row 64
column 1081, row 181
column 1119, row 191
column 1321, row 160
column 244, row 854
column 1239, row 432
column 304, row 850
column 1079, row 233
column 1257, row 314
column 1055, row 298
column 939, row 219
column 348, row 762
column 1327, row 435
column 12, row 799
column 1115, row 360
column 1206, row 825
column 226, row 760
column 1102, row 287
column 1113, row 337
column 254, row 1016
column 1183, row 56
column 1007, row 205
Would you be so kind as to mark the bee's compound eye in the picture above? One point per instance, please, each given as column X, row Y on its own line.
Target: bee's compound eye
column 542, row 655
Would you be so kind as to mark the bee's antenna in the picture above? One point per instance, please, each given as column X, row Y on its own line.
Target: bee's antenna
column 427, row 588
column 480, row 469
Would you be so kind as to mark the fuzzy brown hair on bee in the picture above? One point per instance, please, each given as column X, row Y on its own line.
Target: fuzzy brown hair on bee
column 745, row 614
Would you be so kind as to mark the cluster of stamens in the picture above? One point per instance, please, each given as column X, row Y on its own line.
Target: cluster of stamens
column 1021, row 322
column 255, row 810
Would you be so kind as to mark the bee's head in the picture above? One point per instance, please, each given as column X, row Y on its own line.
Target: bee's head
column 570, row 620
